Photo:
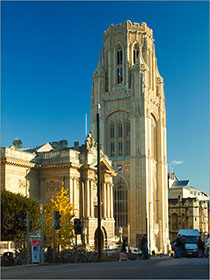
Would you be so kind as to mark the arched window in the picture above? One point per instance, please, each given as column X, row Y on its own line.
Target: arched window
column 120, row 140
column 112, row 139
column 119, row 75
column 127, row 138
column 135, row 53
column 119, row 55
column 120, row 129
column 119, row 65
column 153, row 138
column 120, row 203
column 112, row 130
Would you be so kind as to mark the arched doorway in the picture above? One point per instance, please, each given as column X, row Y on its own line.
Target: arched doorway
column 103, row 239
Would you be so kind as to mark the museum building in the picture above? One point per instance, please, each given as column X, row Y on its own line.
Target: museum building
column 40, row 172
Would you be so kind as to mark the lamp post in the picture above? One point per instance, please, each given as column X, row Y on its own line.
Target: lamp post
column 27, row 190
column 179, row 223
column 42, row 231
column 28, row 243
column 99, row 181
column 149, row 237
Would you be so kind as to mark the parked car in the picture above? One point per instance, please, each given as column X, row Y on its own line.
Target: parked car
column 135, row 251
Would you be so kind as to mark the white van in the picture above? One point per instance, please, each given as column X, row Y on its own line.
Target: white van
column 190, row 241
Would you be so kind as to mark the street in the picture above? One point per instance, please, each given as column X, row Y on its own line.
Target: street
column 154, row 268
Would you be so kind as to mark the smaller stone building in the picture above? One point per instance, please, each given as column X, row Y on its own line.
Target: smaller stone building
column 188, row 208
column 40, row 172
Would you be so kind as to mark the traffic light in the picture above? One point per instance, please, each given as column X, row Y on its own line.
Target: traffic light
column 57, row 220
column 77, row 226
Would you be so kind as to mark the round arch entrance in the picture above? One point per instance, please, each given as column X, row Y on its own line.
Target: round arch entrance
column 103, row 239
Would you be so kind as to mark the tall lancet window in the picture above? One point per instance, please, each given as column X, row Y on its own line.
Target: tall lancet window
column 119, row 65
column 120, row 139
column 127, row 138
column 112, row 139
column 120, row 203
column 153, row 138
column 119, row 56
column 135, row 53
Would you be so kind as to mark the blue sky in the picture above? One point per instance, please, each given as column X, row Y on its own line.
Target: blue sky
column 49, row 51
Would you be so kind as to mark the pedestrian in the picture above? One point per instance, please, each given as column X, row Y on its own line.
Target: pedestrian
column 183, row 252
column 123, row 254
column 144, row 247
column 207, row 247
column 200, row 247
column 178, row 246
column 123, row 248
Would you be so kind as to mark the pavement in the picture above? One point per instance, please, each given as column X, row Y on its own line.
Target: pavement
column 154, row 268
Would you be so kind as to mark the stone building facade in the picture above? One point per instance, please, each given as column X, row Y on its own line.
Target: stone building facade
column 129, row 88
column 40, row 172
column 188, row 208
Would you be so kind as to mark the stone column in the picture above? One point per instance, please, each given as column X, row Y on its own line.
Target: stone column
column 91, row 198
column 74, row 197
column 71, row 190
column 88, row 199
column 83, row 199
column 108, row 200
column 109, row 70
column 105, row 200
column 111, row 200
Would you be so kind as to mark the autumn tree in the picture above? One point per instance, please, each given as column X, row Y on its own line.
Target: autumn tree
column 61, row 203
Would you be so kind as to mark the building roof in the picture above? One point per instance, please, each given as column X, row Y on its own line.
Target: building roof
column 180, row 184
column 29, row 149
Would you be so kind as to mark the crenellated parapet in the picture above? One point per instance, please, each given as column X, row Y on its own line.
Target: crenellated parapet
column 129, row 26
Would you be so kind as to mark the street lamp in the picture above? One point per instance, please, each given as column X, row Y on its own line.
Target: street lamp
column 99, row 181
column 42, row 231
column 27, row 172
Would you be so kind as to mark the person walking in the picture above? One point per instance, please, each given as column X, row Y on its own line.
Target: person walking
column 207, row 247
column 183, row 251
column 123, row 254
column 144, row 248
column 178, row 246
column 123, row 248
column 200, row 247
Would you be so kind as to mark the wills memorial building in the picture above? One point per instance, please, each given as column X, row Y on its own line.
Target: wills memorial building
column 129, row 88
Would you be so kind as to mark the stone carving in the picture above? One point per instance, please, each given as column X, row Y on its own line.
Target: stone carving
column 90, row 142
column 22, row 184
column 120, row 233
column 52, row 187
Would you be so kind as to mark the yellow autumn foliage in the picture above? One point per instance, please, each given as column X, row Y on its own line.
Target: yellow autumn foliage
column 60, row 202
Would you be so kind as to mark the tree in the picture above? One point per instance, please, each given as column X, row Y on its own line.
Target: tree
column 13, row 216
column 61, row 203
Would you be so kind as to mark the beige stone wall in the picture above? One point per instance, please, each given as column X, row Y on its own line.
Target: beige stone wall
column 188, row 213
column 19, row 174
column 41, row 175
column 139, row 99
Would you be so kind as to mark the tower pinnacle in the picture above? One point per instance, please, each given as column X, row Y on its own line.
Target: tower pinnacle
column 99, row 69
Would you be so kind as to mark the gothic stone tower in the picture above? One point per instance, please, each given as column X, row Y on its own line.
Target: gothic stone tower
column 129, row 88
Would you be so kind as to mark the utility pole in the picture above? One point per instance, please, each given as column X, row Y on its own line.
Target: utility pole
column 42, row 232
column 99, row 182
column 179, row 224
column 28, row 246
column 54, row 249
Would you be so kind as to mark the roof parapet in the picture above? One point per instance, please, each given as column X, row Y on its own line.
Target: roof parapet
column 127, row 24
